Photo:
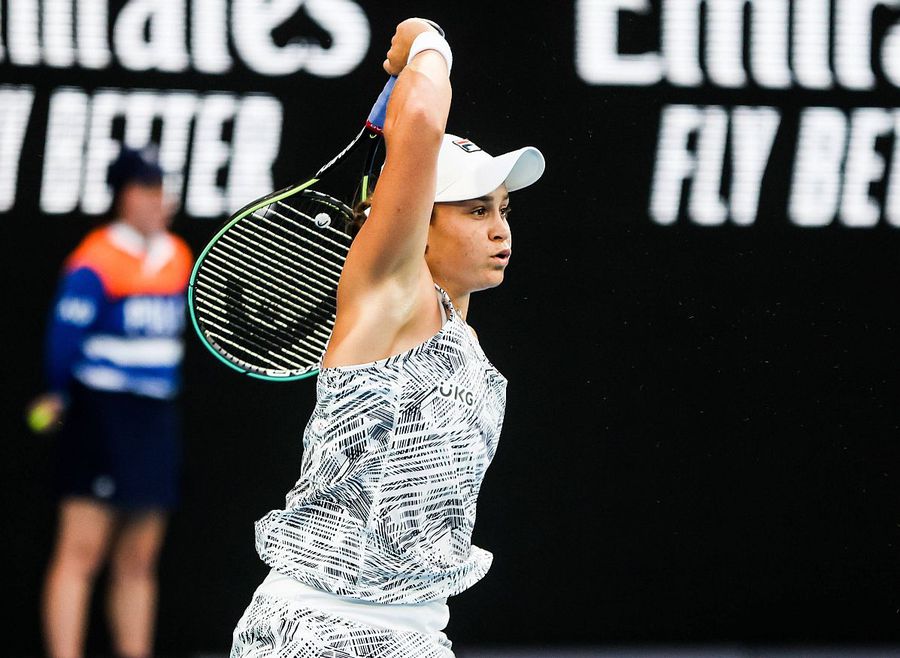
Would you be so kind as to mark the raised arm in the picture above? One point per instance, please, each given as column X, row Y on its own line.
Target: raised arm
column 392, row 242
column 385, row 280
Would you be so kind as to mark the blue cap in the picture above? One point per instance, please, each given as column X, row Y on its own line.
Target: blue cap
column 133, row 166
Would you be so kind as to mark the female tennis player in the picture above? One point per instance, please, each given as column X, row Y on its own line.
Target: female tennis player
column 376, row 534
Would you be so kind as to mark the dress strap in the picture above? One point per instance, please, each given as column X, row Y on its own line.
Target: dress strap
column 447, row 309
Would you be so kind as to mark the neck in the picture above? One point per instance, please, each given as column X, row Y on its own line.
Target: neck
column 135, row 226
column 459, row 299
column 461, row 304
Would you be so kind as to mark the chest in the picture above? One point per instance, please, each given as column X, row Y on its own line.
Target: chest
column 144, row 315
column 453, row 390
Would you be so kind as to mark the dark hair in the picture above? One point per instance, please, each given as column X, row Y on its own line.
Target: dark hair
column 359, row 217
column 133, row 166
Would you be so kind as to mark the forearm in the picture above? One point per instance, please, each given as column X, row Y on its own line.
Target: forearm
column 391, row 243
column 62, row 349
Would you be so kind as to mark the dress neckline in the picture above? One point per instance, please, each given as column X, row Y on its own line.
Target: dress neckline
column 446, row 302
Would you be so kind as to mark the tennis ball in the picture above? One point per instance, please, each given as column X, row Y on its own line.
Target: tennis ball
column 40, row 418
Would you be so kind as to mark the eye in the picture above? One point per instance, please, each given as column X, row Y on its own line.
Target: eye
column 479, row 211
column 504, row 212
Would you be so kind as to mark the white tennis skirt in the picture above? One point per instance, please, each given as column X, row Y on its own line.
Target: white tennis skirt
column 288, row 619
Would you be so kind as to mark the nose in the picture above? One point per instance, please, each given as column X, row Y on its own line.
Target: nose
column 499, row 228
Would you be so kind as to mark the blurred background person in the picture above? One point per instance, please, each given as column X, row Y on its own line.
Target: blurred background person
column 113, row 355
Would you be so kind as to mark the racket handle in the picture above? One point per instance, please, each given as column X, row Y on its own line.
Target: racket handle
column 376, row 118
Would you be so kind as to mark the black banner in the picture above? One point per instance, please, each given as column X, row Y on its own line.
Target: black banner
column 698, row 325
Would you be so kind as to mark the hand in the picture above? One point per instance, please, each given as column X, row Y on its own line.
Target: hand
column 401, row 42
column 44, row 414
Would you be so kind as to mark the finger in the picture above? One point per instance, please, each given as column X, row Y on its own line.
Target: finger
column 393, row 62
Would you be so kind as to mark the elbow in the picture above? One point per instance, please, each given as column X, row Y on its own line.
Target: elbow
column 422, row 109
column 425, row 122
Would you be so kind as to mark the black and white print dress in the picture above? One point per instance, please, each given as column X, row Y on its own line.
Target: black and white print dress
column 393, row 459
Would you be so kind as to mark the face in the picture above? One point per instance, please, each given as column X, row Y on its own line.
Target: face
column 144, row 207
column 469, row 242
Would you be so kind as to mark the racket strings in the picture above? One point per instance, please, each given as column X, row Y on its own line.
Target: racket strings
column 260, row 325
column 269, row 298
column 284, row 333
column 262, row 285
column 330, row 259
column 336, row 210
column 264, row 267
column 265, row 291
column 325, row 271
column 257, row 326
column 258, row 344
column 259, row 352
column 254, row 295
column 260, row 349
column 271, row 251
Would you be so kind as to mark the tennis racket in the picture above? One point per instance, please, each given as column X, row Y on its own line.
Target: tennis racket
column 262, row 294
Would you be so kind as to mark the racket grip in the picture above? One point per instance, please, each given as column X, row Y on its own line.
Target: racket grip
column 379, row 110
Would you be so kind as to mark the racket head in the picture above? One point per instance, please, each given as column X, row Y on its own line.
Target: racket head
column 262, row 293
column 251, row 308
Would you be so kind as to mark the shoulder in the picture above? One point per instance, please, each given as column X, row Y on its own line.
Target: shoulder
column 86, row 265
column 82, row 280
column 93, row 247
column 100, row 253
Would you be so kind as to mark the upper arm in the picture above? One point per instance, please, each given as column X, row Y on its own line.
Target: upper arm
column 78, row 299
column 75, row 311
column 385, row 286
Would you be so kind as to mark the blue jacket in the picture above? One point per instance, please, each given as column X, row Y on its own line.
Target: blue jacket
column 118, row 318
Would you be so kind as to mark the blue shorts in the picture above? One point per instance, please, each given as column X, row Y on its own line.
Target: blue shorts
column 121, row 449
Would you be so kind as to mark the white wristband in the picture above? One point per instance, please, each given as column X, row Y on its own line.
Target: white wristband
column 431, row 41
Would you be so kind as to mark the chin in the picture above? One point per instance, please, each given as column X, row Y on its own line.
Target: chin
column 492, row 281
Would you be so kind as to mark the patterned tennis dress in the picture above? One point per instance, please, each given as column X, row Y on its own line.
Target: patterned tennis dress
column 383, row 512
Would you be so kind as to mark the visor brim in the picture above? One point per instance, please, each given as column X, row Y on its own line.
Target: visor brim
column 517, row 169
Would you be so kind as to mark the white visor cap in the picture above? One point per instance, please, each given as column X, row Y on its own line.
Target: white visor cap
column 465, row 172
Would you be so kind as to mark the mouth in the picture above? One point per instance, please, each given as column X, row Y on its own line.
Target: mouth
column 502, row 256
